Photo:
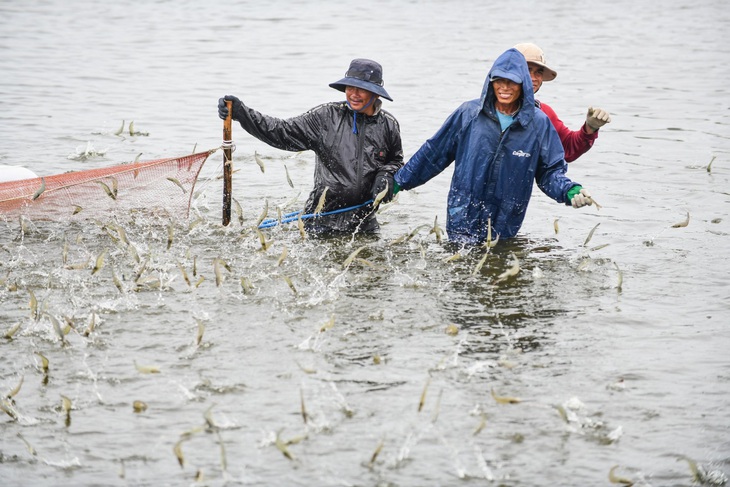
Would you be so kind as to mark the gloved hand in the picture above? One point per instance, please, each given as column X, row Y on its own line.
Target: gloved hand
column 223, row 109
column 581, row 198
column 382, row 179
column 597, row 118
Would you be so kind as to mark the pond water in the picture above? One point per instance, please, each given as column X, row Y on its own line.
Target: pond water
column 606, row 355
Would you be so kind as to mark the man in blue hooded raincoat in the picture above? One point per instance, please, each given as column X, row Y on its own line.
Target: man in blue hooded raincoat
column 500, row 144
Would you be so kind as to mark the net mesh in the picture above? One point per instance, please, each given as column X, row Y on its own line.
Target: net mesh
column 160, row 185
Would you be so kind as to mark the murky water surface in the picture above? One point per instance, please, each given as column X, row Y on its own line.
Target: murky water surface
column 398, row 369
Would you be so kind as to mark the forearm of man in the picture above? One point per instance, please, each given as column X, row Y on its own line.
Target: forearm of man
column 291, row 134
column 576, row 142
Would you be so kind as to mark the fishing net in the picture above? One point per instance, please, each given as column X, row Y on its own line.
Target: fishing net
column 162, row 185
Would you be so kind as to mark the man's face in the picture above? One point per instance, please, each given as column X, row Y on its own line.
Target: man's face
column 536, row 74
column 506, row 91
column 359, row 98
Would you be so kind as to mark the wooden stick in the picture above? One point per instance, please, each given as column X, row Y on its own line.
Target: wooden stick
column 227, row 166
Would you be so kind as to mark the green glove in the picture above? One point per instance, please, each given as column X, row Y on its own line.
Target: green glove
column 396, row 188
column 573, row 191
column 579, row 197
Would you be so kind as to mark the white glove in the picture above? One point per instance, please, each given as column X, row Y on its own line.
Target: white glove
column 597, row 118
column 581, row 199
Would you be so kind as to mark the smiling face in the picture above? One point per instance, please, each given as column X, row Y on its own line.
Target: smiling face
column 359, row 98
column 507, row 95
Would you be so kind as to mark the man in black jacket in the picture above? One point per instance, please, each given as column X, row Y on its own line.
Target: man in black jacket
column 357, row 145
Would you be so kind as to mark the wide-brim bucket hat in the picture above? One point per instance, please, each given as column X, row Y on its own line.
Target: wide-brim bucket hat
column 365, row 74
column 533, row 54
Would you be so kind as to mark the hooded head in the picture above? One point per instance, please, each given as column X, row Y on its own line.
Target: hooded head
column 511, row 65
column 365, row 74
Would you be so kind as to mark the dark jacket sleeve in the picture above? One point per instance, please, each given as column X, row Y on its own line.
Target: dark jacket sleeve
column 293, row 134
column 551, row 170
column 394, row 156
column 435, row 155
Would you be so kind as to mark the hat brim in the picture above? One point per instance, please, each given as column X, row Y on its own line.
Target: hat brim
column 358, row 83
column 547, row 74
column 499, row 73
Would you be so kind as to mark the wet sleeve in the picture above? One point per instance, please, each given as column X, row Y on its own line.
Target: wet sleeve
column 550, row 175
column 435, row 155
column 293, row 134
column 575, row 142
column 394, row 160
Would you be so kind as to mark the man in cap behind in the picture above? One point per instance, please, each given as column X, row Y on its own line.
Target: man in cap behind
column 357, row 146
column 500, row 145
column 575, row 142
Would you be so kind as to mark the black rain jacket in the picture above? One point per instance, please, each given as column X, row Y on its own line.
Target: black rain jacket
column 347, row 161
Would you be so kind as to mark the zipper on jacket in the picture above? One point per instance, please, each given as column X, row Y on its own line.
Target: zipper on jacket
column 360, row 159
column 493, row 166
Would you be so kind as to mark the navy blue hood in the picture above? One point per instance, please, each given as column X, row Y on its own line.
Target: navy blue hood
column 512, row 65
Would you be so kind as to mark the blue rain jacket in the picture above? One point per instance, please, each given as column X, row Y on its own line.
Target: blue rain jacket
column 494, row 171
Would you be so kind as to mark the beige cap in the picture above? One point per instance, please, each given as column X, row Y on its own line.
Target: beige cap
column 533, row 54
